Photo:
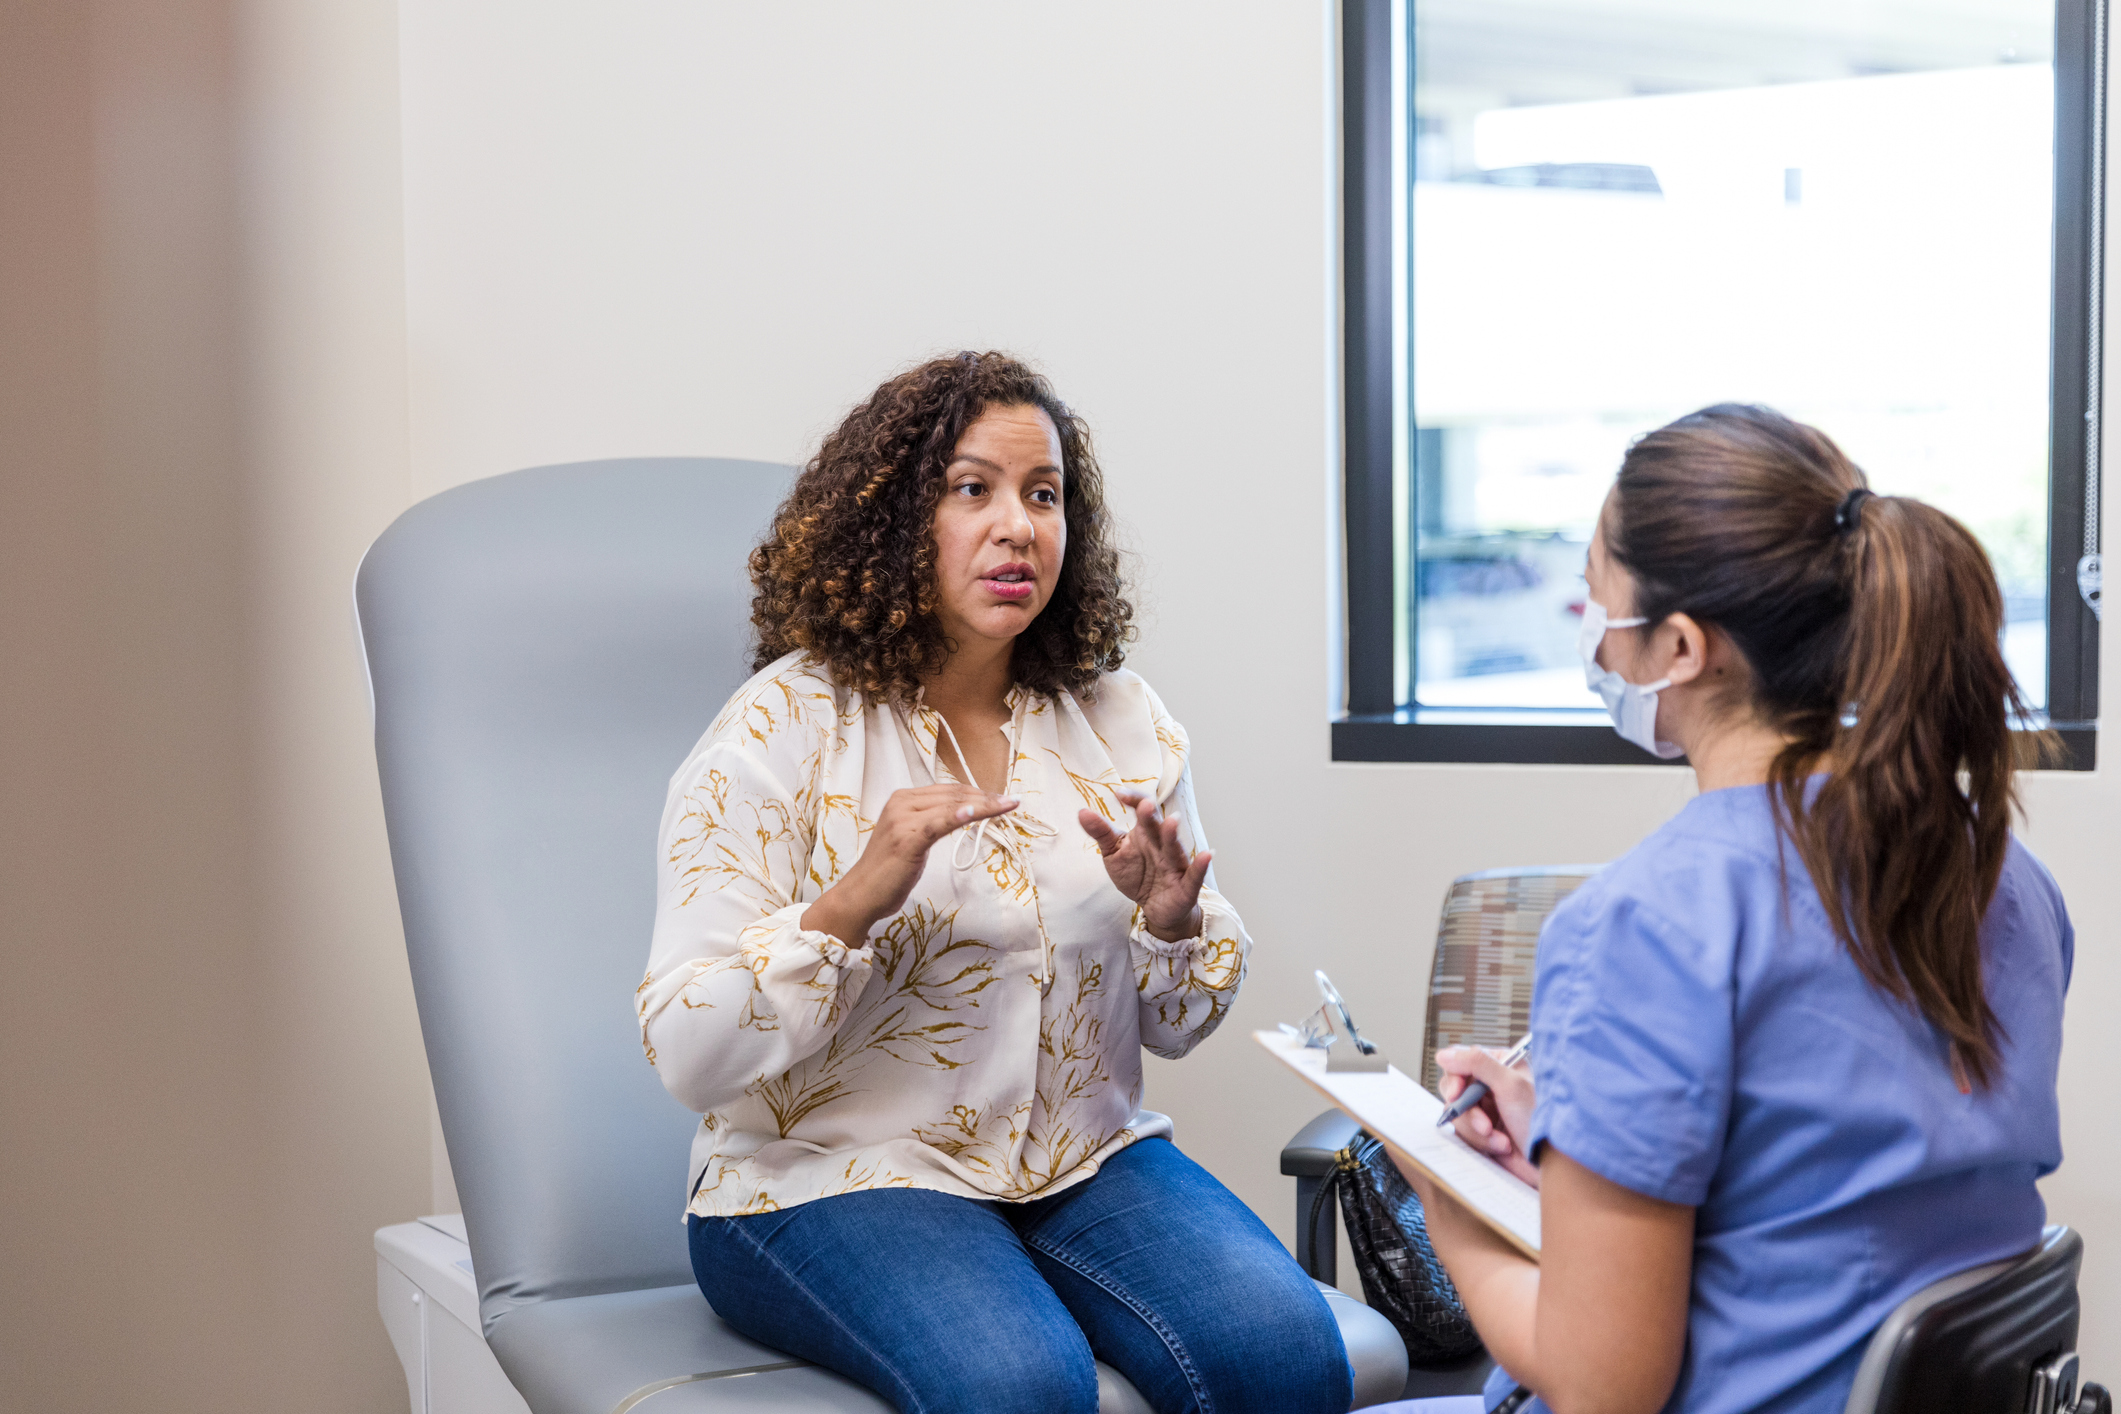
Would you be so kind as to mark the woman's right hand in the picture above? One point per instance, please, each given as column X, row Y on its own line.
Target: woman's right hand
column 877, row 884
column 1499, row 1123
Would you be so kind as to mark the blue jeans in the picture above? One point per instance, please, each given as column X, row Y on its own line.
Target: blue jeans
column 944, row 1304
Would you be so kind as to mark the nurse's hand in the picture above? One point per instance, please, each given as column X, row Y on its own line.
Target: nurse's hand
column 1498, row 1124
column 1150, row 866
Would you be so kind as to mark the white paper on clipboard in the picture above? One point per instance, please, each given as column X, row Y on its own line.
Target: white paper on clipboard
column 1400, row 1112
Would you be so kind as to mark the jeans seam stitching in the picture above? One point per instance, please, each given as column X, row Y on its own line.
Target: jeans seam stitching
column 1201, row 1399
column 831, row 1315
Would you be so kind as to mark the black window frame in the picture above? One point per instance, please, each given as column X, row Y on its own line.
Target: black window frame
column 1375, row 727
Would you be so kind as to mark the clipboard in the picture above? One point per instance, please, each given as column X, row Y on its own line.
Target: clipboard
column 1401, row 1113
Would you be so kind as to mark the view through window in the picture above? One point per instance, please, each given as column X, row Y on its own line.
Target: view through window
column 1622, row 210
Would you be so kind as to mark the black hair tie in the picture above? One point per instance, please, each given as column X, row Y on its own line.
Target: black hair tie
column 1850, row 512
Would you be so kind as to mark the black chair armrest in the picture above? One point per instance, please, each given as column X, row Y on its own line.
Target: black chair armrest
column 1308, row 1158
column 1310, row 1153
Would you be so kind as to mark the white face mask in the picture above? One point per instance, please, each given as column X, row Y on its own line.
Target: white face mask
column 1632, row 706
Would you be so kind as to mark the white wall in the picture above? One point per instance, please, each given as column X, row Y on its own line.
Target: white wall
column 662, row 227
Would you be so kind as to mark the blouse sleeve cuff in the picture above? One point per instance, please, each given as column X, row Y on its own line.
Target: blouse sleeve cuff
column 780, row 936
column 1149, row 943
column 778, row 952
column 1219, row 928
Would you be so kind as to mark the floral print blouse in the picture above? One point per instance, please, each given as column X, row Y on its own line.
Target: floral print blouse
column 933, row 1055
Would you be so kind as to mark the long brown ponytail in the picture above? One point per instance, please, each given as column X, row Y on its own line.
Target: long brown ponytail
column 1872, row 628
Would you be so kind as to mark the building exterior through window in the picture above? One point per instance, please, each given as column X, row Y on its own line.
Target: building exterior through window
column 1608, row 213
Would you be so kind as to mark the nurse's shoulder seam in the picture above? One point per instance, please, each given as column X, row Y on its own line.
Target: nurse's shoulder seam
column 2018, row 849
column 2049, row 892
column 1642, row 876
column 1715, row 831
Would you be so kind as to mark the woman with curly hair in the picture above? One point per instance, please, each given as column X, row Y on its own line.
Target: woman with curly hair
column 929, row 885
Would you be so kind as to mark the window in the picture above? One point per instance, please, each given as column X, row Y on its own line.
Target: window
column 1569, row 221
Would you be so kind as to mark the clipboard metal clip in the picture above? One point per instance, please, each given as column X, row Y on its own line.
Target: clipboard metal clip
column 1332, row 1023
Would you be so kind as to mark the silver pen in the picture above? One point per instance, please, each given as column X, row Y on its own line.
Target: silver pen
column 1474, row 1093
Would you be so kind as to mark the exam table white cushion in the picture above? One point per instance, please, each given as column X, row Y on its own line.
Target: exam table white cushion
column 613, row 1354
column 589, row 1354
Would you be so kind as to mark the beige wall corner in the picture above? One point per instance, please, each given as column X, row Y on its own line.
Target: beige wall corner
column 214, row 1090
column 325, row 366
column 133, row 1127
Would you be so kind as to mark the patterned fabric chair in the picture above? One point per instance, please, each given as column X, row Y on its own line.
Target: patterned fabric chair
column 1480, row 994
column 1480, row 985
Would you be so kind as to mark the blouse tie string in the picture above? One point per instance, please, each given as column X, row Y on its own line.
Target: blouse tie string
column 971, row 841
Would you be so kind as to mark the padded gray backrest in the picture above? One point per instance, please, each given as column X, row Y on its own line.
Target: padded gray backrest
column 544, row 648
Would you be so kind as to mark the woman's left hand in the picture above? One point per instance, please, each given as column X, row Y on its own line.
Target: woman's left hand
column 1150, row 866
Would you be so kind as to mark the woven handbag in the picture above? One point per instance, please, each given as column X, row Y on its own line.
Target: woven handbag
column 1390, row 1238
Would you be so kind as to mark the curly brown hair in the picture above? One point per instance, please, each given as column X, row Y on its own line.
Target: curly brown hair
column 848, row 572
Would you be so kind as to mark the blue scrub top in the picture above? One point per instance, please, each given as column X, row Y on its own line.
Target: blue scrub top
column 1702, row 1042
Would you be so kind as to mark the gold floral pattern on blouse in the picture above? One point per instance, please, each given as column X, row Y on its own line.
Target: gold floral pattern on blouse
column 928, row 1055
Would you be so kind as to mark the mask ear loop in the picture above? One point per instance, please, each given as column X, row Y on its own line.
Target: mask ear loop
column 1593, row 672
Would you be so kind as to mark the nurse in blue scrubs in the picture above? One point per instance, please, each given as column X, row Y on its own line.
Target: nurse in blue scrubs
column 1795, row 1054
